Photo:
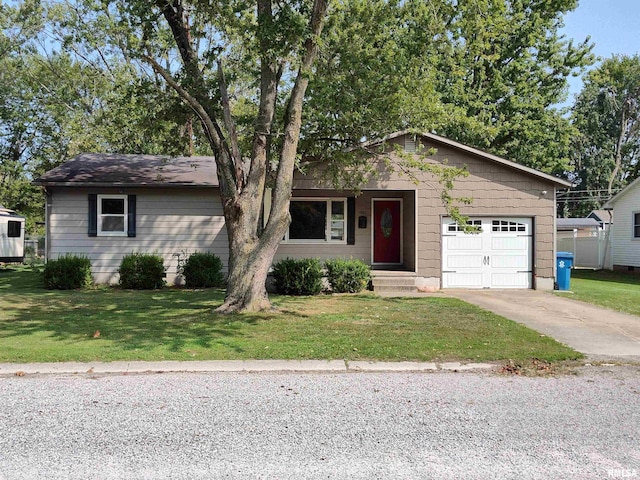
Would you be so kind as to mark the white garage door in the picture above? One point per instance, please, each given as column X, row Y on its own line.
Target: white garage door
column 499, row 256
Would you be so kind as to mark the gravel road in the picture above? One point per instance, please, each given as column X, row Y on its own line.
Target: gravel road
column 298, row 426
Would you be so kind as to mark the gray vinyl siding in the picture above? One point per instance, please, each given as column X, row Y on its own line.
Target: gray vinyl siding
column 168, row 222
column 624, row 247
column 362, row 248
column 323, row 251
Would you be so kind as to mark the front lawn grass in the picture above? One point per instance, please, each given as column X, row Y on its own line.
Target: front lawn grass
column 110, row 324
column 618, row 291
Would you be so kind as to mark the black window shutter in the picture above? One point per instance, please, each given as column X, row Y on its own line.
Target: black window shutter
column 351, row 220
column 93, row 215
column 131, row 216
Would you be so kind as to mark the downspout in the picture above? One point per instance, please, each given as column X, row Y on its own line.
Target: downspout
column 47, row 223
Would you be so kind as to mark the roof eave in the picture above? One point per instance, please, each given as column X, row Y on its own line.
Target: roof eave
column 121, row 185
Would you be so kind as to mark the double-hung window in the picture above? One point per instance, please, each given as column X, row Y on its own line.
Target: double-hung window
column 636, row 225
column 112, row 215
column 317, row 220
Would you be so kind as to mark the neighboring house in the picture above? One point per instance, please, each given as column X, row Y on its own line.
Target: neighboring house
column 11, row 236
column 603, row 217
column 580, row 227
column 105, row 206
column 625, row 232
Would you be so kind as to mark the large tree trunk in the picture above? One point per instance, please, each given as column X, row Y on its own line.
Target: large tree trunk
column 250, row 257
column 250, row 253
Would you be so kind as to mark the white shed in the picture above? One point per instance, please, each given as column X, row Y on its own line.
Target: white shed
column 11, row 236
column 625, row 232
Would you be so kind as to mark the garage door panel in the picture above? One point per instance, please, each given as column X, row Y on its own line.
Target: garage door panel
column 467, row 242
column 510, row 280
column 509, row 243
column 464, row 261
column 520, row 262
column 462, row 280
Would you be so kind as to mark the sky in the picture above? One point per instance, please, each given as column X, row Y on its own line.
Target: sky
column 613, row 25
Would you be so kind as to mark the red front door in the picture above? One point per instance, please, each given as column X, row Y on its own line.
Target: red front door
column 386, row 231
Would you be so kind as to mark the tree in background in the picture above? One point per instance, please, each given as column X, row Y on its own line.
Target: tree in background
column 487, row 73
column 503, row 65
column 607, row 116
column 56, row 104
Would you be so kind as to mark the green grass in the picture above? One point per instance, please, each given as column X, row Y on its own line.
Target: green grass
column 179, row 324
column 614, row 290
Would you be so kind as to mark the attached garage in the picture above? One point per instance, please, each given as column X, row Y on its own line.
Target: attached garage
column 499, row 255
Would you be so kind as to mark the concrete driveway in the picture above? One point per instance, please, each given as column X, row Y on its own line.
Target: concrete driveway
column 597, row 332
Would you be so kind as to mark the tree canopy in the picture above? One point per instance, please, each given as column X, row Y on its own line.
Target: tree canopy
column 607, row 116
column 56, row 102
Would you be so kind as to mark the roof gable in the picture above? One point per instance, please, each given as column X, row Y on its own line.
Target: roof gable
column 475, row 152
column 601, row 215
column 622, row 193
column 110, row 169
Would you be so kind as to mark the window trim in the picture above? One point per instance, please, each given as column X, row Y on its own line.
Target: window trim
column 124, row 216
column 327, row 226
column 635, row 225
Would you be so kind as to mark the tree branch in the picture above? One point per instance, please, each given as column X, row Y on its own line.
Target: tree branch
column 618, row 148
column 173, row 11
column 211, row 128
column 231, row 129
column 293, row 119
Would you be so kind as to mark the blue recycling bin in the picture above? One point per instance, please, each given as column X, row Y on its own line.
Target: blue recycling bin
column 564, row 262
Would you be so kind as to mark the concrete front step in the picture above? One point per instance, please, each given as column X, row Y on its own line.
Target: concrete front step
column 390, row 281
column 385, row 281
column 394, row 288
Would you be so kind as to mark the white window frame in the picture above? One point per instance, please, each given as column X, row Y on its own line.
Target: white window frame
column 100, row 215
column 634, row 225
column 327, row 226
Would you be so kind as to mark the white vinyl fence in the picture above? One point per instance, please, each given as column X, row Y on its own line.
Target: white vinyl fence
column 588, row 252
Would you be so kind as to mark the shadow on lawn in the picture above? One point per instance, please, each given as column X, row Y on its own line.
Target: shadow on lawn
column 629, row 278
column 134, row 320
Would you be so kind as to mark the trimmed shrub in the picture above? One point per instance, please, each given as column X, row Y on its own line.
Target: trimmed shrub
column 141, row 271
column 298, row 277
column 203, row 270
column 67, row 273
column 347, row 276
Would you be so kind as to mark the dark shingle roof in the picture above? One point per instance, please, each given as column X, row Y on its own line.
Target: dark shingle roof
column 111, row 169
